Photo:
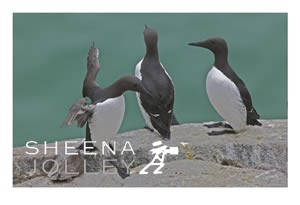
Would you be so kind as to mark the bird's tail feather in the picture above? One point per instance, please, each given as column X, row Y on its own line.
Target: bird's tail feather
column 174, row 120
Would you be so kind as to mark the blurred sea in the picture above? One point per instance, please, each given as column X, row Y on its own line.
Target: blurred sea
column 49, row 64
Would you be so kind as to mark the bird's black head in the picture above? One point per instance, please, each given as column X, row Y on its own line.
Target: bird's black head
column 150, row 37
column 216, row 45
column 162, row 122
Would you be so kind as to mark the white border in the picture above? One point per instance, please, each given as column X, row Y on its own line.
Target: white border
column 149, row 6
column 141, row 195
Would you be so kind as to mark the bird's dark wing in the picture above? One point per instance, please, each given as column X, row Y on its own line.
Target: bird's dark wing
column 73, row 112
column 252, row 114
column 247, row 100
column 77, row 114
column 82, row 119
column 160, row 118
column 159, row 105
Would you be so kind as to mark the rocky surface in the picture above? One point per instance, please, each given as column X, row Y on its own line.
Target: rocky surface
column 256, row 157
column 191, row 173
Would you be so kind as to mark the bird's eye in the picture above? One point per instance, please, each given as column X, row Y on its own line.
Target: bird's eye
column 213, row 42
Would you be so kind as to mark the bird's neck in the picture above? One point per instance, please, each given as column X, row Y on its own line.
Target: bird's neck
column 89, row 84
column 221, row 60
column 152, row 52
column 91, row 75
column 114, row 90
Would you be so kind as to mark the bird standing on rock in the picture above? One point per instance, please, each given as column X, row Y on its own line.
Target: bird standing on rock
column 103, row 117
column 227, row 92
column 157, row 109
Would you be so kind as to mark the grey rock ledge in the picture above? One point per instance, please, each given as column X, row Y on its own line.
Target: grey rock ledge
column 256, row 157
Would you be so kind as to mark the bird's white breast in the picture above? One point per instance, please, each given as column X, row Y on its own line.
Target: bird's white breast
column 107, row 119
column 138, row 69
column 226, row 99
column 144, row 113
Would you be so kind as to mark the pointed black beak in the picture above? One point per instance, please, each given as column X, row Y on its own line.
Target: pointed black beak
column 146, row 26
column 199, row 44
column 167, row 136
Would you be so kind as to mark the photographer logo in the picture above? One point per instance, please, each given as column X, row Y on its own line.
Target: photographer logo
column 159, row 156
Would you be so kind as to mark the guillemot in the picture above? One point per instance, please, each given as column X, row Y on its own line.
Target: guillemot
column 103, row 117
column 226, row 91
column 156, row 109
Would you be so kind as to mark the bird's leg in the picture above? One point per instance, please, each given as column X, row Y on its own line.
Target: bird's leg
column 88, row 144
column 110, row 146
column 122, row 171
column 88, row 140
column 218, row 124
column 148, row 128
column 91, row 146
column 221, row 132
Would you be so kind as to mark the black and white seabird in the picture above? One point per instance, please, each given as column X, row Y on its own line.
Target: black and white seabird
column 226, row 91
column 103, row 117
column 157, row 109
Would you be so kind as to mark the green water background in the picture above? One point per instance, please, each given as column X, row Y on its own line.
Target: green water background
column 49, row 64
